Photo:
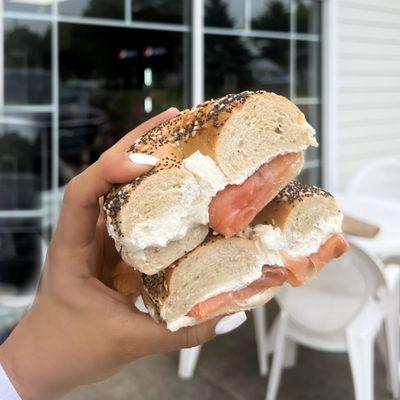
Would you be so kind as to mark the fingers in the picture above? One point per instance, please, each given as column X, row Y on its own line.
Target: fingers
column 160, row 340
column 125, row 279
column 80, row 209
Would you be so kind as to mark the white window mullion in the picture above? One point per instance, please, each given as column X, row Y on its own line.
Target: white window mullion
column 329, row 87
column 247, row 15
column 197, row 51
column 292, row 51
column 55, row 114
column 128, row 11
column 1, row 55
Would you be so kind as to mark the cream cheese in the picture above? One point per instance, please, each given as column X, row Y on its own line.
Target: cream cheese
column 180, row 322
column 196, row 194
column 207, row 173
column 323, row 229
column 272, row 243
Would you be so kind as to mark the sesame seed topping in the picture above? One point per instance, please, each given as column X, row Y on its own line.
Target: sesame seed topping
column 296, row 191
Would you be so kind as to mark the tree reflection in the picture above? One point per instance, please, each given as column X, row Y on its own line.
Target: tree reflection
column 216, row 14
column 172, row 11
column 226, row 57
column 24, row 164
column 275, row 17
column 236, row 63
column 27, row 62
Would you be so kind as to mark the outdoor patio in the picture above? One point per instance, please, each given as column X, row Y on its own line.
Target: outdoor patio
column 228, row 370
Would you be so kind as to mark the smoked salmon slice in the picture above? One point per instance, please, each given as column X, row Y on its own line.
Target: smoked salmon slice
column 126, row 280
column 295, row 272
column 299, row 267
column 234, row 207
column 273, row 275
column 334, row 247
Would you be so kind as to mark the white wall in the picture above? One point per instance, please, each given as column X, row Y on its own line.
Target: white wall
column 368, row 83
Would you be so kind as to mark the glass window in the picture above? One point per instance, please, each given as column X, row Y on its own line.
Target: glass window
column 233, row 64
column 111, row 79
column 310, row 176
column 110, row 9
column 27, row 62
column 224, row 14
column 42, row 7
column 169, row 11
column 308, row 16
column 270, row 15
column 307, row 69
column 24, row 160
column 20, row 251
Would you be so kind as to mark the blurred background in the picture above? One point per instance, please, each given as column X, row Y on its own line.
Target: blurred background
column 76, row 75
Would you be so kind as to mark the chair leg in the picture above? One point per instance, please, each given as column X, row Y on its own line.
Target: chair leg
column 391, row 322
column 278, row 358
column 383, row 350
column 290, row 354
column 187, row 362
column 361, row 356
column 260, row 319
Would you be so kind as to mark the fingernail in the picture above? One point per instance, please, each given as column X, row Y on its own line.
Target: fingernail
column 138, row 158
column 231, row 322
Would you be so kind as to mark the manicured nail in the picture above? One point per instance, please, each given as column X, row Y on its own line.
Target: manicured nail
column 229, row 323
column 138, row 158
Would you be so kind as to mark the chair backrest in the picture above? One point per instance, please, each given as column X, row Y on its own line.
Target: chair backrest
column 380, row 178
column 332, row 300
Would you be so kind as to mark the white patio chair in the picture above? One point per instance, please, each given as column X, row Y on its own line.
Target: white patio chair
column 343, row 311
column 380, row 179
column 188, row 357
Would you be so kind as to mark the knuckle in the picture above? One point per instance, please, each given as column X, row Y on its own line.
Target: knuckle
column 190, row 338
column 70, row 189
column 103, row 159
column 104, row 164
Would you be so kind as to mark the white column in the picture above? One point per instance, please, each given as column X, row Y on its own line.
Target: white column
column 329, row 87
column 197, row 51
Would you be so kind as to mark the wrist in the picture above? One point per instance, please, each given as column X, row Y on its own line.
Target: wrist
column 26, row 367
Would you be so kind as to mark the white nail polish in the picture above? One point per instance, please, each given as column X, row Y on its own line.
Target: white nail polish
column 138, row 158
column 230, row 323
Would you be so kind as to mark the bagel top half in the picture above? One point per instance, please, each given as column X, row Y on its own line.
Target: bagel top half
column 163, row 214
